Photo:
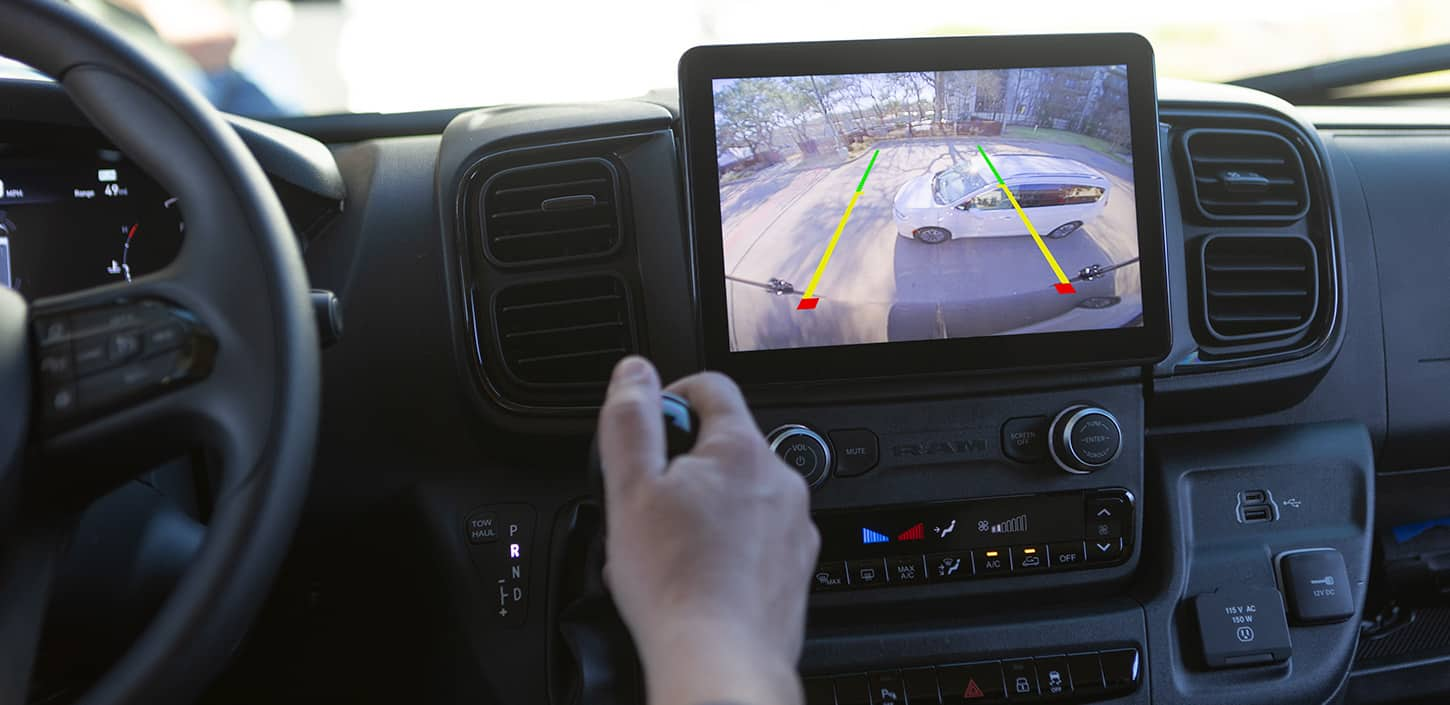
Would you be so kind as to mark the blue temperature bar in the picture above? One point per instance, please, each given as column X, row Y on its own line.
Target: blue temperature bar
column 869, row 536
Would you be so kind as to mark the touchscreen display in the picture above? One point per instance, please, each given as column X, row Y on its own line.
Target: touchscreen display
column 883, row 207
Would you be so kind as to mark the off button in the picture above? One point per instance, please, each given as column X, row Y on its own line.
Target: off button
column 803, row 450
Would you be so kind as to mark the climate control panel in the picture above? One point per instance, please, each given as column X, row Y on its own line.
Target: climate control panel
column 973, row 539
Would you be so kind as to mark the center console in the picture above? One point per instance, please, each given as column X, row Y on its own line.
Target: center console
column 1022, row 269
column 940, row 271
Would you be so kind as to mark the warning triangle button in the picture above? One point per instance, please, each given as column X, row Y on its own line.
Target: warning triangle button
column 973, row 691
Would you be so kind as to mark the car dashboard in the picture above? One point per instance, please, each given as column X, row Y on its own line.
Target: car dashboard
column 1221, row 554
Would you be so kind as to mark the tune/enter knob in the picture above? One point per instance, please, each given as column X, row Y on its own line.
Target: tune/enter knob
column 1084, row 438
column 804, row 450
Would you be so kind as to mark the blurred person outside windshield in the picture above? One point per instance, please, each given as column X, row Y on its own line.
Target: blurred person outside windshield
column 196, row 39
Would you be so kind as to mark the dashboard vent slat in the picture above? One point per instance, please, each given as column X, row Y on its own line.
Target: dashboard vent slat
column 551, row 212
column 564, row 332
column 1257, row 287
column 1245, row 175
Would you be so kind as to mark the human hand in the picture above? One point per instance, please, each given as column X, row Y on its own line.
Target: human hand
column 709, row 554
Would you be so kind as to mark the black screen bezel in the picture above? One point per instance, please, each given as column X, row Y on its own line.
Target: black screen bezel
column 699, row 66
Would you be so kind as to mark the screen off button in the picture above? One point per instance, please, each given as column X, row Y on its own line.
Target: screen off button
column 1025, row 439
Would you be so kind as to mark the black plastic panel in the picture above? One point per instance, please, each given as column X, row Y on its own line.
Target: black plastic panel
column 1404, row 177
column 1321, row 479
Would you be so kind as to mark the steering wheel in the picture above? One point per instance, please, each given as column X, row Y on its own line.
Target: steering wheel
column 223, row 357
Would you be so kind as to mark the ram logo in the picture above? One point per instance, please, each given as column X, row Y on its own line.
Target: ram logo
column 952, row 447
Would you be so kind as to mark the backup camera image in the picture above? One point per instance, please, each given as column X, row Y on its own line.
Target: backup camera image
column 871, row 208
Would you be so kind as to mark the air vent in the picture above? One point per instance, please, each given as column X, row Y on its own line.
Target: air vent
column 551, row 212
column 1257, row 287
column 1245, row 175
column 564, row 332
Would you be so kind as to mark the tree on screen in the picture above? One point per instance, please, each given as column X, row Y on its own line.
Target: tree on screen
column 745, row 116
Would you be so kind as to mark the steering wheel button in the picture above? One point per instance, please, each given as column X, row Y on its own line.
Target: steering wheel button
column 55, row 363
column 62, row 400
column 91, row 354
column 53, row 329
column 123, row 346
column 168, row 336
column 112, row 318
column 129, row 381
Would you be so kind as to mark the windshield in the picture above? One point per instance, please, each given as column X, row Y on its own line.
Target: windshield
column 954, row 184
column 274, row 57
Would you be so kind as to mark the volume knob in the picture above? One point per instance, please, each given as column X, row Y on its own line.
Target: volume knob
column 1083, row 439
column 804, row 450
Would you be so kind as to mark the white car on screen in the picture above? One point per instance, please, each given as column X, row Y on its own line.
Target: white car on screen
column 1057, row 194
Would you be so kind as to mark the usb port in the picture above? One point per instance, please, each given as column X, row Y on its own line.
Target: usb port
column 1254, row 515
column 1254, row 497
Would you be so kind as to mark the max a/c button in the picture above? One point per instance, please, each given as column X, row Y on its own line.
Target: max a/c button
column 857, row 451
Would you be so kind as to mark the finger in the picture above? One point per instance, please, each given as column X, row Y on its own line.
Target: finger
column 718, row 402
column 631, row 425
